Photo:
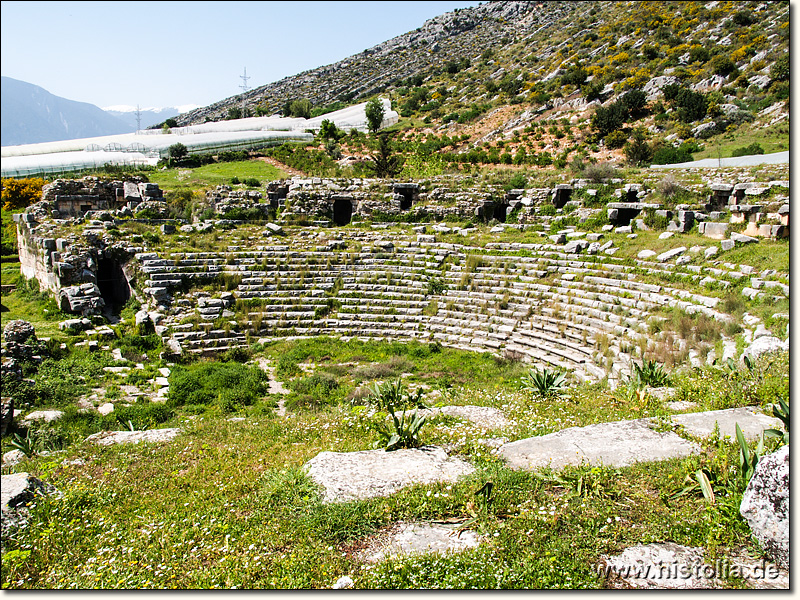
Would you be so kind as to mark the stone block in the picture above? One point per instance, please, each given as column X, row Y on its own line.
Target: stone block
column 715, row 231
column 726, row 245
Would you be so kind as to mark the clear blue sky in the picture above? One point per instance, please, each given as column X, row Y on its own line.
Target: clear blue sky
column 158, row 54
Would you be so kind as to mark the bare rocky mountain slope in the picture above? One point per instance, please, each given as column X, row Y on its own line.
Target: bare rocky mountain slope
column 452, row 36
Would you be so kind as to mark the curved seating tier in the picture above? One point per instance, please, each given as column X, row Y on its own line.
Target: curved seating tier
column 582, row 313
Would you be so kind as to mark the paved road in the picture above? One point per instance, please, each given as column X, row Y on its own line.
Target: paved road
column 775, row 158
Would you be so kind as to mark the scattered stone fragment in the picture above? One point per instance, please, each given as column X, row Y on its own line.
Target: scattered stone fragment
column 765, row 345
column 750, row 420
column 343, row 583
column 42, row 415
column 371, row 473
column 616, row 444
column 107, row 438
column 410, row 539
column 18, row 490
column 660, row 566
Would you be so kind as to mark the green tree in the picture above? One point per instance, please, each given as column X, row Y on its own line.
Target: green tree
column 609, row 118
column 329, row 131
column 297, row 108
column 234, row 112
column 178, row 151
column 385, row 163
column 637, row 150
column 635, row 102
column 374, row 111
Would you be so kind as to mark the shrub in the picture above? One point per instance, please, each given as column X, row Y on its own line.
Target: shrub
column 598, row 172
column 779, row 71
column 637, row 150
column 667, row 155
column 615, row 139
column 608, row 119
column 329, row 131
column 21, row 193
column 315, row 390
column 206, row 382
column 634, row 102
column 650, row 373
column 668, row 186
column 754, row 148
column 394, row 399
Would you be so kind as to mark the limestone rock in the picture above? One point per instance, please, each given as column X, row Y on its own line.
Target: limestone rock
column 18, row 490
column 371, row 473
column 420, row 538
column 659, row 566
column 107, row 438
column 764, row 345
column 43, row 415
column 765, row 505
column 750, row 420
column 618, row 444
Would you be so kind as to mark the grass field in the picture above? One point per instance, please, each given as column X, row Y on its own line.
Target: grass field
column 774, row 138
column 210, row 176
column 227, row 504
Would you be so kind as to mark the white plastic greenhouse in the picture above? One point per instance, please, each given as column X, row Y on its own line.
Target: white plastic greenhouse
column 147, row 147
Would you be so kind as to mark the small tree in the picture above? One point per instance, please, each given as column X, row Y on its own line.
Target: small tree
column 178, row 151
column 637, row 150
column 329, row 131
column 374, row 112
column 300, row 108
column 384, row 163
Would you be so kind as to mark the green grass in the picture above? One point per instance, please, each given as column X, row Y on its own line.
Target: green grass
column 43, row 314
column 210, row 176
column 227, row 504
column 772, row 139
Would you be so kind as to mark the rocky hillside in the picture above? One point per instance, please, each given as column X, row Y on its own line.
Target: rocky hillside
column 455, row 36
column 512, row 56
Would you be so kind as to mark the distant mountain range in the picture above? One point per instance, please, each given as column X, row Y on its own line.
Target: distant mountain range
column 31, row 114
column 149, row 116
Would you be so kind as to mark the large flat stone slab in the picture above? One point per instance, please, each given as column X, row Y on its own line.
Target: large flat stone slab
column 372, row 473
column 482, row 416
column 107, row 438
column 409, row 539
column 751, row 421
column 659, row 566
column 615, row 444
column 668, row 565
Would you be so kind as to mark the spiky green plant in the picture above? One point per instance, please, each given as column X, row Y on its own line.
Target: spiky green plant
column 650, row 373
column 545, row 383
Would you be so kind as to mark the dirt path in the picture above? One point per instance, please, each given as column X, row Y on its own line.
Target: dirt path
column 279, row 165
column 275, row 387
